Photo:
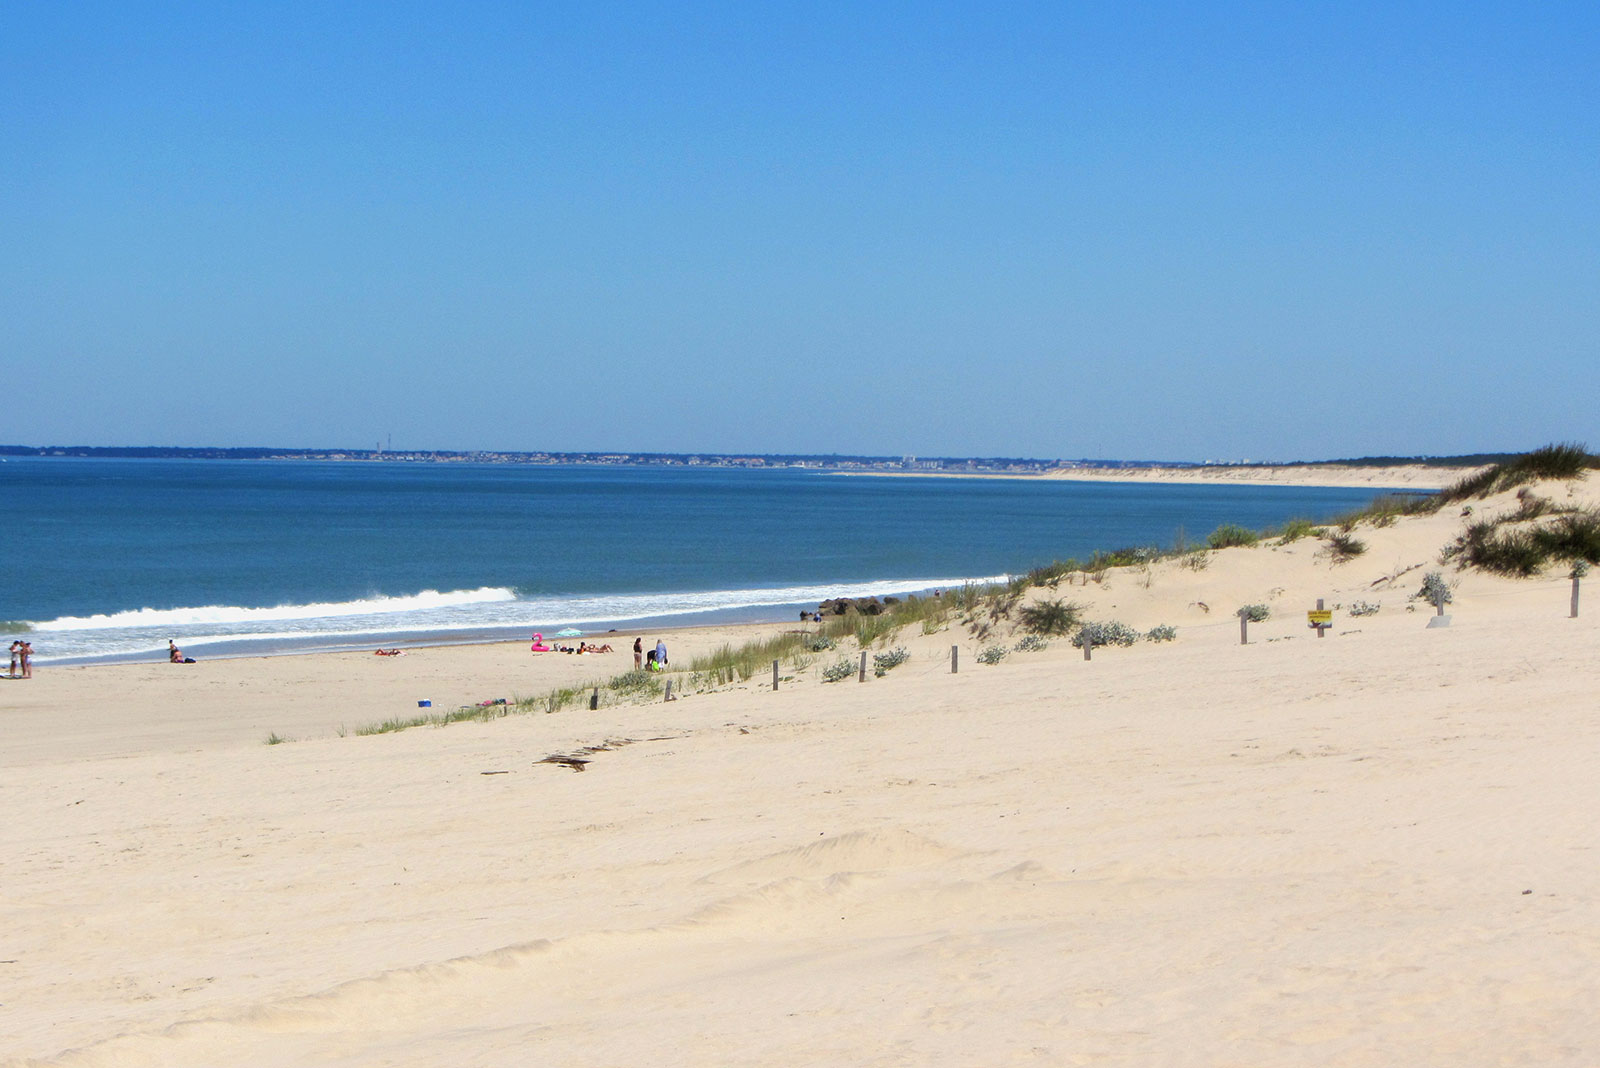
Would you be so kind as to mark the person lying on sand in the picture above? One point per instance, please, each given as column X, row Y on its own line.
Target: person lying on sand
column 388, row 652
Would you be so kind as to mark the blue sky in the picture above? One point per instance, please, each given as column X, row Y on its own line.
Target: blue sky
column 1187, row 231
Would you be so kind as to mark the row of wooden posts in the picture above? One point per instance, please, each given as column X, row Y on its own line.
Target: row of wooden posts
column 1088, row 646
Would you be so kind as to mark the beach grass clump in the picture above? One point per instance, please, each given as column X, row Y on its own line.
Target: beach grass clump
column 1527, row 551
column 1295, row 529
column 991, row 654
column 839, row 670
column 1051, row 574
column 636, row 683
column 1129, row 556
column 276, row 739
column 883, row 663
column 1342, row 546
column 872, row 629
column 740, row 662
column 393, row 724
column 1050, row 617
column 1556, row 461
column 1105, row 632
column 1162, row 632
column 1231, row 535
column 1256, row 613
column 1363, row 608
column 1031, row 643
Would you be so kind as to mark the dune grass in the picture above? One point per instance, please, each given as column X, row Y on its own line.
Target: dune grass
column 1563, row 460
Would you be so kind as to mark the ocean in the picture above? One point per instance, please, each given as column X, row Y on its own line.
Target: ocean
column 109, row 559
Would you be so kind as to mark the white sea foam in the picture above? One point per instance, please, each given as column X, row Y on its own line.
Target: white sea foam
column 452, row 615
column 217, row 615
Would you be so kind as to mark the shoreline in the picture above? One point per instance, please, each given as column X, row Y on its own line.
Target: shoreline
column 1419, row 477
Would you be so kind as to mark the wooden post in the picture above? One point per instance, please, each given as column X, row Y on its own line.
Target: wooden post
column 594, row 699
column 862, row 677
column 1244, row 627
column 1088, row 647
column 774, row 674
column 1574, row 595
column 955, row 659
column 1438, row 608
column 669, row 689
column 1321, row 630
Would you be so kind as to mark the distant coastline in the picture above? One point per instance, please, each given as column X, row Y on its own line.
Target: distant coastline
column 1376, row 471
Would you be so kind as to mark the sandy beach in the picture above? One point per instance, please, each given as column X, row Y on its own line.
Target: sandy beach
column 1370, row 848
column 1333, row 476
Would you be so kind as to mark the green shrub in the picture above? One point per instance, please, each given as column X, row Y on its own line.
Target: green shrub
column 839, row 670
column 1161, row 633
column 1049, row 617
column 883, row 663
column 1295, row 529
column 1256, row 613
column 1434, row 589
column 1229, row 535
column 1363, row 608
column 1109, row 632
column 822, row 643
column 1052, row 573
column 991, row 654
column 1031, row 643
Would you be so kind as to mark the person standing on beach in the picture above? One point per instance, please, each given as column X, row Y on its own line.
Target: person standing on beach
column 27, row 659
column 638, row 653
column 16, row 657
column 661, row 653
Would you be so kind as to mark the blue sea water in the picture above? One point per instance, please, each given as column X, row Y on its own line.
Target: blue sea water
column 108, row 559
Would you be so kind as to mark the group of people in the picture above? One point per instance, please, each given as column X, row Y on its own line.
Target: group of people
column 175, row 655
column 654, row 660
column 21, row 660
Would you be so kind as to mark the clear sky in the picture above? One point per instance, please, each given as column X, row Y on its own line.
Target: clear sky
column 1164, row 230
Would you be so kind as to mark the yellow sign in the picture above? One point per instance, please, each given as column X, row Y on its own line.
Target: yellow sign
column 1319, row 617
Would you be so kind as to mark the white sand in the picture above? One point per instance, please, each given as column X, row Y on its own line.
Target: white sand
column 1405, row 476
column 1338, row 476
column 1297, row 852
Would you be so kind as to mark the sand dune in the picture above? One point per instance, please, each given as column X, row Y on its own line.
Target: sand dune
column 1373, row 848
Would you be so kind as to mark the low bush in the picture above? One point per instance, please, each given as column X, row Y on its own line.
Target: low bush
column 1109, row 632
column 1363, row 608
column 1031, row 643
column 1256, row 613
column 1229, row 535
column 1295, row 529
column 839, row 670
column 1161, row 633
column 883, row 663
column 992, row 654
column 1049, row 617
column 822, row 643
column 1435, row 590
